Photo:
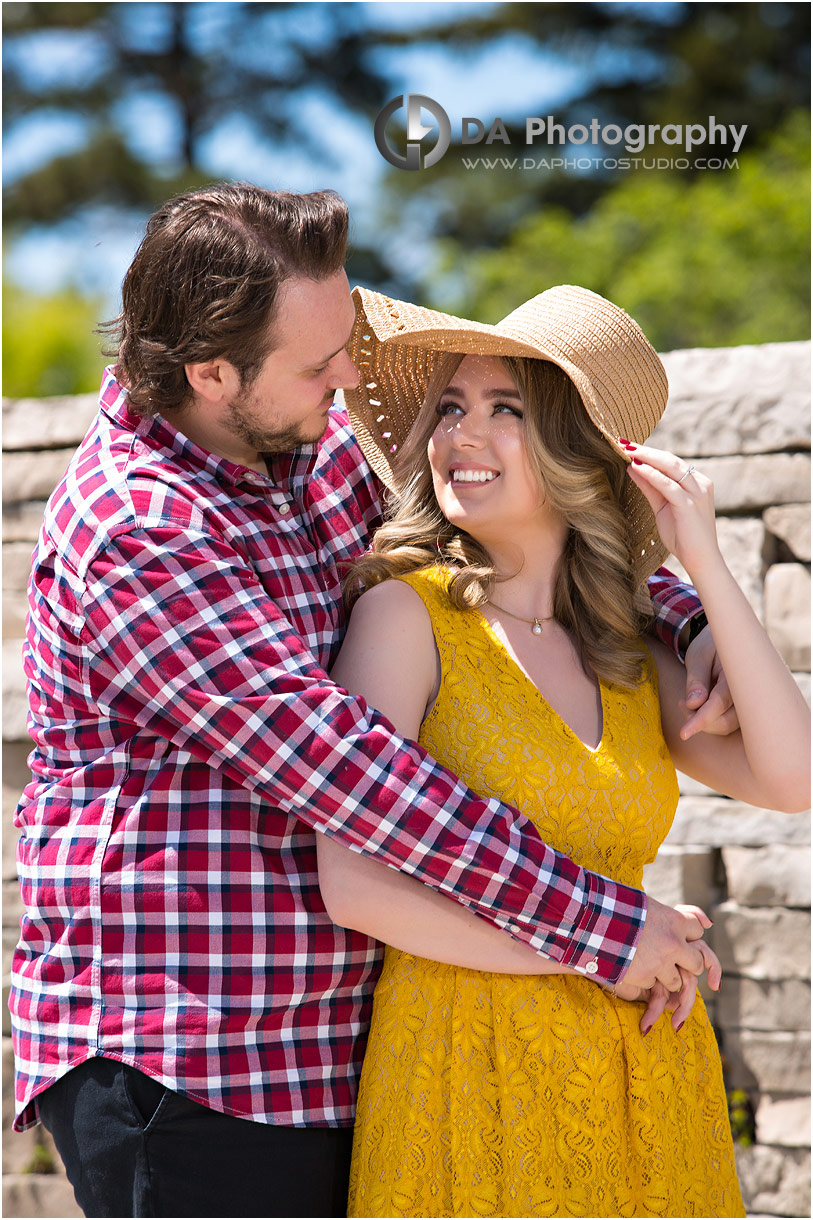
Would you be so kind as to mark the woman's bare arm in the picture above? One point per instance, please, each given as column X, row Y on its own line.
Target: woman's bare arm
column 767, row 762
column 389, row 657
column 366, row 895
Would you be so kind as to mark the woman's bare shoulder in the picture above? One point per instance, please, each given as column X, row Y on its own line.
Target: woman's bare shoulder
column 389, row 654
column 394, row 602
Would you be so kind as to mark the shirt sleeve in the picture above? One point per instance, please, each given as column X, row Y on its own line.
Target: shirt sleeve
column 673, row 605
column 185, row 643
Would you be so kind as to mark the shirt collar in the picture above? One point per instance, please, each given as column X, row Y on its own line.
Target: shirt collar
column 293, row 468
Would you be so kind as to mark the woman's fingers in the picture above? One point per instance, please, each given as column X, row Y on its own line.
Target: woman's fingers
column 714, row 970
column 678, row 481
column 683, row 1001
column 659, row 997
column 679, row 1003
column 682, row 500
column 674, row 471
column 657, row 500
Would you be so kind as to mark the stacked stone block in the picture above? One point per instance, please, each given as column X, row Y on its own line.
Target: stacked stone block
column 743, row 416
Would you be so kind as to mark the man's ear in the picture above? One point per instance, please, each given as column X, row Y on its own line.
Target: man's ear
column 214, row 381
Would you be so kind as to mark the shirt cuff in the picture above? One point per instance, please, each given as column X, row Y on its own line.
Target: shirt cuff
column 606, row 935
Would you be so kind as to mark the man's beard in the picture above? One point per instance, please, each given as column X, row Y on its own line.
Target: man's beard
column 243, row 424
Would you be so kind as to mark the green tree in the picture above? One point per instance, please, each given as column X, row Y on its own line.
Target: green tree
column 722, row 258
column 211, row 64
column 645, row 64
column 49, row 345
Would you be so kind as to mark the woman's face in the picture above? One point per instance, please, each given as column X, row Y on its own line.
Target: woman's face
column 483, row 479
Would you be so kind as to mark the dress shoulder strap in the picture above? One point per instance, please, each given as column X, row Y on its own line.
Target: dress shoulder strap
column 431, row 585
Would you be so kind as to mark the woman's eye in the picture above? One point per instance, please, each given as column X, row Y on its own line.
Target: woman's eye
column 448, row 408
column 506, row 406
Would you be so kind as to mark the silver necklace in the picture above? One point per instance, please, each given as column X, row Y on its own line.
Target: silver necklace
column 536, row 622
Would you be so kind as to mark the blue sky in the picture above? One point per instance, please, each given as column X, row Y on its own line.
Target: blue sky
column 94, row 252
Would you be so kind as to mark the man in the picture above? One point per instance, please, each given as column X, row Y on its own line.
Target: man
column 177, row 973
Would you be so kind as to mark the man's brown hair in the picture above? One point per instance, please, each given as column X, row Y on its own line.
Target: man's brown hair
column 204, row 282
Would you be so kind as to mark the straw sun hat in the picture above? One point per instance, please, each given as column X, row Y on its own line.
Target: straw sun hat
column 397, row 347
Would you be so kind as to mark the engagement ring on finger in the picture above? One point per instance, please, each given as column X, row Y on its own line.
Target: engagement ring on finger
column 686, row 474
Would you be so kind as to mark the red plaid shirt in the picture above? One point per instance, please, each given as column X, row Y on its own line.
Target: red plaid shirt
column 187, row 740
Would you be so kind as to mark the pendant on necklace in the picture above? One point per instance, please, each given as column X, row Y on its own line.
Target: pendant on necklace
column 537, row 627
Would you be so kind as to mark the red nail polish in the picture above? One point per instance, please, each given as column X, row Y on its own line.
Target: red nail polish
column 622, row 441
column 647, row 1030
column 637, row 461
column 680, row 1027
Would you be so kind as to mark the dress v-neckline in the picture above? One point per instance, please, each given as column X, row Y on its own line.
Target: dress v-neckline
column 526, row 678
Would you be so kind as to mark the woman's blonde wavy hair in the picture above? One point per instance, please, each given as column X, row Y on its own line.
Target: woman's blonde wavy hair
column 581, row 477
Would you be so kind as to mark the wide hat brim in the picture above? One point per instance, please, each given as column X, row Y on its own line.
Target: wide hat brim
column 397, row 348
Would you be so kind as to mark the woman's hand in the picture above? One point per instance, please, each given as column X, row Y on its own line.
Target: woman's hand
column 659, row 999
column 682, row 500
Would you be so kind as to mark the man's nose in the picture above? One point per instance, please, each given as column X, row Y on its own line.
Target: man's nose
column 345, row 375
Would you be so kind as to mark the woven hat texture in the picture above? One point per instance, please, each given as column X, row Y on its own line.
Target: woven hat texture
column 397, row 348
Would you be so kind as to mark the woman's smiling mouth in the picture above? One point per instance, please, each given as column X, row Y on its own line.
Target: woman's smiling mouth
column 470, row 475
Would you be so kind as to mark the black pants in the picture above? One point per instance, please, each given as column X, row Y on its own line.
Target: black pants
column 133, row 1148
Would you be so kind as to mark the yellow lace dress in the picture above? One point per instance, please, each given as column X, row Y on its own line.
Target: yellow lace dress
column 517, row 1095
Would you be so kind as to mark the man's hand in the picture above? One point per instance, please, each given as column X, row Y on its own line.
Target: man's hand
column 671, row 942
column 707, row 693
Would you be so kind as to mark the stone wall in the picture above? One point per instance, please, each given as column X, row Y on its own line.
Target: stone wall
column 743, row 416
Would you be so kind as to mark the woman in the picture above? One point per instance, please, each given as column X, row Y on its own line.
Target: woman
column 524, row 523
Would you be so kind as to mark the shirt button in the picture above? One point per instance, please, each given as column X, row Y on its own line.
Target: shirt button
column 592, row 967
column 283, row 508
